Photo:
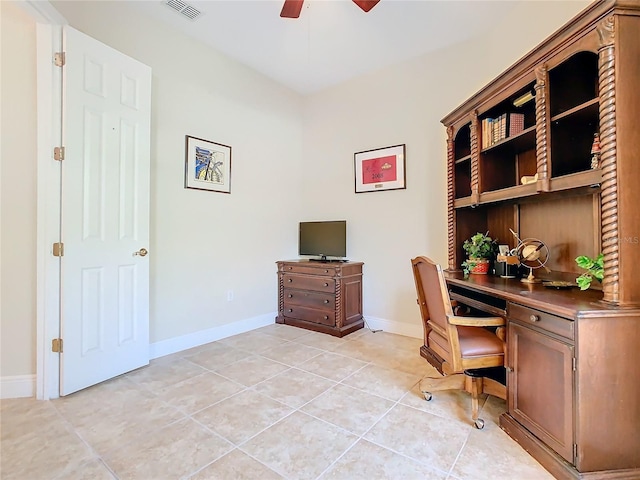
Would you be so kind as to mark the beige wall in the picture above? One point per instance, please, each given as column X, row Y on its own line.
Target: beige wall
column 404, row 104
column 202, row 243
column 18, row 192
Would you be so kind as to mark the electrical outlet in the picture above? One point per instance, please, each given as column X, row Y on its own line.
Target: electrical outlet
column 229, row 295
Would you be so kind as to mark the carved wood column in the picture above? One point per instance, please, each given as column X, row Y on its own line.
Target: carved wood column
column 475, row 158
column 542, row 129
column 451, row 219
column 608, row 161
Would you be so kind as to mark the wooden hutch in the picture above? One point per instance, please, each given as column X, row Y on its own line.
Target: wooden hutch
column 573, row 357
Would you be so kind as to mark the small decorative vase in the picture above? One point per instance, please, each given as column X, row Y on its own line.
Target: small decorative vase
column 479, row 265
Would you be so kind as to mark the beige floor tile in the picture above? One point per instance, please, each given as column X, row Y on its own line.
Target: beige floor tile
column 299, row 447
column 253, row 342
column 448, row 404
column 361, row 349
column 429, row 439
column 173, row 452
column 321, row 341
column 366, row 461
column 292, row 353
column 391, row 340
column 162, row 373
column 242, row 416
column 351, row 409
column 294, row 387
column 94, row 469
column 391, row 384
column 490, row 454
column 199, row 392
column 251, row 370
column 236, row 465
column 44, row 450
column 287, row 332
column 216, row 355
column 127, row 417
column 332, row 366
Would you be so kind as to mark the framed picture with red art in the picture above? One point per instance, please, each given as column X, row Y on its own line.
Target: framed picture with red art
column 380, row 169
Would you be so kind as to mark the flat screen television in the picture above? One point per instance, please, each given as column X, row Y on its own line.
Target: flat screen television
column 323, row 239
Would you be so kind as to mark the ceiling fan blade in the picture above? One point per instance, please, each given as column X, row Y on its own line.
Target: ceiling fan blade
column 291, row 8
column 366, row 5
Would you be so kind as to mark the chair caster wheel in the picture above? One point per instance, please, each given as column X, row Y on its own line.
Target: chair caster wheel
column 479, row 424
column 427, row 396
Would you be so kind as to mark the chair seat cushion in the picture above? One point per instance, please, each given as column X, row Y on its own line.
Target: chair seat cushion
column 478, row 342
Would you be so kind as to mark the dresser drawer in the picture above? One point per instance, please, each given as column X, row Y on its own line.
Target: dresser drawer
column 318, row 284
column 545, row 321
column 325, row 317
column 309, row 299
column 308, row 270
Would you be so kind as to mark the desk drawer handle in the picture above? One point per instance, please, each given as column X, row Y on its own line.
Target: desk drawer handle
column 534, row 318
column 289, row 310
column 326, row 284
column 326, row 301
column 326, row 271
column 290, row 296
column 326, row 317
column 289, row 280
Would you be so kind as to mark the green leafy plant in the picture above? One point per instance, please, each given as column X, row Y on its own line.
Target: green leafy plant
column 479, row 246
column 594, row 269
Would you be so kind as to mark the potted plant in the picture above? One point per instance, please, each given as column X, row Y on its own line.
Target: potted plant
column 594, row 269
column 480, row 250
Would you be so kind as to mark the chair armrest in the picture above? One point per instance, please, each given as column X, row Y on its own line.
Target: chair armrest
column 477, row 321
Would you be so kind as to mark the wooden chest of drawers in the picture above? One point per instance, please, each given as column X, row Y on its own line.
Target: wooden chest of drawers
column 321, row 296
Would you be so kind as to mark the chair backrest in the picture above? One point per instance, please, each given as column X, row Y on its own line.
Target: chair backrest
column 435, row 307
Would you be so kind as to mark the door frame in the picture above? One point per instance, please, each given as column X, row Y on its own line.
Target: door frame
column 49, row 24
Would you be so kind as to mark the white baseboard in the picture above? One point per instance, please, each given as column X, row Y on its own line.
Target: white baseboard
column 17, row 386
column 184, row 342
column 391, row 326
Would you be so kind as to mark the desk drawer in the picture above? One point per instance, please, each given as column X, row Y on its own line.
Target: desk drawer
column 308, row 270
column 318, row 284
column 545, row 321
column 325, row 317
column 309, row 299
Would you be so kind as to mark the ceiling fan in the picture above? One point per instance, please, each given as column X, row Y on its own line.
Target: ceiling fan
column 292, row 8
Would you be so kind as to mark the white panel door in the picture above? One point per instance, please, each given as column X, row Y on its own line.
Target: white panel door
column 105, row 213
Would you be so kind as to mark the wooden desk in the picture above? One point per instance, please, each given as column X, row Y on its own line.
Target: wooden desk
column 573, row 375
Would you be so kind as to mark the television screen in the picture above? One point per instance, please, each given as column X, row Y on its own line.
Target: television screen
column 323, row 239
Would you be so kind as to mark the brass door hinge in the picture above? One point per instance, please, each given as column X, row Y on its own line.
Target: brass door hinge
column 575, row 452
column 59, row 59
column 58, row 249
column 58, row 153
column 56, row 345
column 573, row 363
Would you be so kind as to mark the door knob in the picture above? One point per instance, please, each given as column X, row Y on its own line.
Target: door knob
column 142, row 252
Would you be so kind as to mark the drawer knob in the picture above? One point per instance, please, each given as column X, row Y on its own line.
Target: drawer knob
column 289, row 280
column 326, row 317
column 326, row 301
column 326, row 284
column 289, row 310
column 326, row 271
column 290, row 268
column 290, row 296
column 534, row 318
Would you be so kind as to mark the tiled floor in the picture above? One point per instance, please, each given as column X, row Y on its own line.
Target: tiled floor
column 277, row 402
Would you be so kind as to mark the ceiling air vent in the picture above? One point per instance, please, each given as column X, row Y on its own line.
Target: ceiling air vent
column 184, row 8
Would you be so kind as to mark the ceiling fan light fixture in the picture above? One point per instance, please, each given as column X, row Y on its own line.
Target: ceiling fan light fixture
column 291, row 8
column 366, row 5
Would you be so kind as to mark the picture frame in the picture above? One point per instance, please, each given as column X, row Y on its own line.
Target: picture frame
column 207, row 165
column 503, row 250
column 380, row 169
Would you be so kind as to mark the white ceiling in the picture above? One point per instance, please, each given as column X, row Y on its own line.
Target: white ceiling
column 333, row 40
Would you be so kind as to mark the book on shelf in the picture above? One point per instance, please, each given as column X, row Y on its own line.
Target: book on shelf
column 516, row 123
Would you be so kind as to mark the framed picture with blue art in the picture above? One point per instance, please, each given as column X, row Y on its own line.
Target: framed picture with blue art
column 207, row 165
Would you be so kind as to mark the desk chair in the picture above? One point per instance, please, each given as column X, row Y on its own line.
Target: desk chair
column 459, row 347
